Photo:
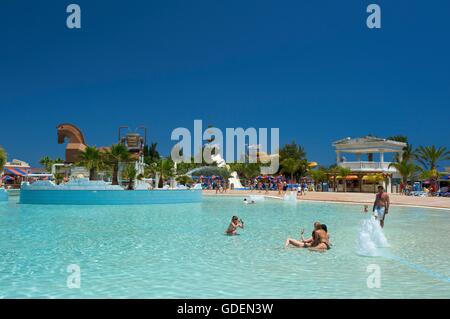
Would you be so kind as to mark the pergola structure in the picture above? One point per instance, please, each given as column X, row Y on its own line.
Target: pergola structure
column 369, row 165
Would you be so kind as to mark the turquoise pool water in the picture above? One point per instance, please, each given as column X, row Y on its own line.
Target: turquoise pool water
column 180, row 251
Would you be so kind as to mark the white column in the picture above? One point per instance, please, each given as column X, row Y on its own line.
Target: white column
column 338, row 157
column 388, row 185
column 381, row 157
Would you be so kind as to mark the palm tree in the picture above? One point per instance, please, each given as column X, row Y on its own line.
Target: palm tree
column 429, row 156
column 318, row 175
column 3, row 158
column 292, row 150
column 405, row 168
column 290, row 166
column 166, row 169
column 151, row 154
column 91, row 158
column 116, row 155
column 46, row 162
column 408, row 153
column 344, row 172
column 184, row 179
column 130, row 173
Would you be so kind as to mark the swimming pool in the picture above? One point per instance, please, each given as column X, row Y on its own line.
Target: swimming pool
column 180, row 251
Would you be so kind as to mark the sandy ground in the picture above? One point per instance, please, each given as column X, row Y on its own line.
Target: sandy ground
column 362, row 198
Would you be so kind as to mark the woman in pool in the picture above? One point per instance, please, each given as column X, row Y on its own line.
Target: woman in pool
column 234, row 225
column 322, row 239
column 305, row 243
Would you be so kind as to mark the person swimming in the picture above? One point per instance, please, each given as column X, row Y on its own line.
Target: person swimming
column 234, row 225
column 249, row 202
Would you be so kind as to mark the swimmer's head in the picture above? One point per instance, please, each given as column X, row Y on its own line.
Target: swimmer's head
column 325, row 228
column 234, row 219
column 317, row 225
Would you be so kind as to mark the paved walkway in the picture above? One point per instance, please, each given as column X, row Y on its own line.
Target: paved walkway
column 363, row 198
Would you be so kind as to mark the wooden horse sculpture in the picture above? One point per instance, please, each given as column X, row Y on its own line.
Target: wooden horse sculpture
column 74, row 137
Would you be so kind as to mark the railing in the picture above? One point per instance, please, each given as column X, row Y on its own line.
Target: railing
column 367, row 166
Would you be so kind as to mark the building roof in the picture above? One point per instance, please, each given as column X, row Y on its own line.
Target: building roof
column 17, row 163
column 368, row 144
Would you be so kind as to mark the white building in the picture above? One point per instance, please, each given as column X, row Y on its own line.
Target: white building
column 365, row 157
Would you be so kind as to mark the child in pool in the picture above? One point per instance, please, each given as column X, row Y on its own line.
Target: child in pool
column 234, row 225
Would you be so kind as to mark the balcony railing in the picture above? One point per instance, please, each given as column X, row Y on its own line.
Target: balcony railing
column 367, row 166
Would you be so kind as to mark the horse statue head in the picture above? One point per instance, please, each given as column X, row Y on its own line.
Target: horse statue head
column 75, row 138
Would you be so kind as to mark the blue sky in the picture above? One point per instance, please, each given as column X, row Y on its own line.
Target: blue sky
column 312, row 68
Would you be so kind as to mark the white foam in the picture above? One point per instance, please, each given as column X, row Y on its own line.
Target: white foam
column 370, row 238
column 291, row 196
column 256, row 198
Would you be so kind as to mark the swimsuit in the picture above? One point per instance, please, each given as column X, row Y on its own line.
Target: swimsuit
column 379, row 212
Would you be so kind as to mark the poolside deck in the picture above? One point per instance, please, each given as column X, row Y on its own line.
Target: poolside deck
column 361, row 198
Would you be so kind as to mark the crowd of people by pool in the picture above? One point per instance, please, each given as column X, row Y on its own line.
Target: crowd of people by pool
column 258, row 184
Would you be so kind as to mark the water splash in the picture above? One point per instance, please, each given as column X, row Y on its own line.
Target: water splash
column 371, row 238
column 291, row 196
column 256, row 198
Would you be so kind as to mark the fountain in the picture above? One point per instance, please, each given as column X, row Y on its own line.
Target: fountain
column 371, row 238
column 220, row 162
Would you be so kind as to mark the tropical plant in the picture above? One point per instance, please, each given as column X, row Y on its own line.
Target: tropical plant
column 59, row 178
column 405, row 168
column 91, row 159
column 151, row 154
column 408, row 151
column 116, row 155
column 3, row 158
column 344, row 172
column 290, row 166
column 430, row 156
column 407, row 155
column 46, row 162
column 164, row 167
column 183, row 168
column 184, row 179
column 129, row 173
column 292, row 150
column 432, row 174
column 399, row 138
column 318, row 175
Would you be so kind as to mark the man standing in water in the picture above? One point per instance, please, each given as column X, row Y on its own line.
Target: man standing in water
column 381, row 205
